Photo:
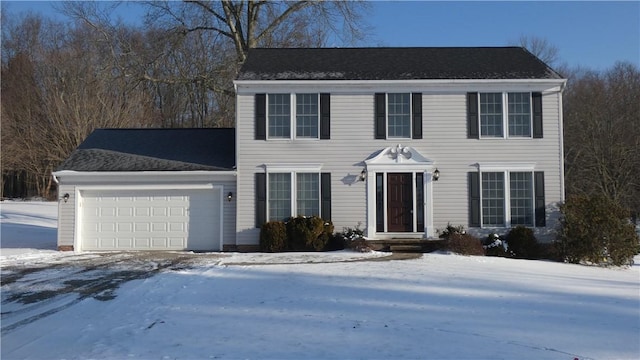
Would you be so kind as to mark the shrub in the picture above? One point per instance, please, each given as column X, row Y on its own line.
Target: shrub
column 596, row 230
column 450, row 230
column 494, row 245
column 464, row 244
column 308, row 233
column 353, row 238
column 273, row 237
column 522, row 243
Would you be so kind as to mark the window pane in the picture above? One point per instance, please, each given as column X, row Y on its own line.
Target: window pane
column 520, row 114
column 279, row 196
column 307, row 115
column 492, row 199
column 379, row 202
column 491, row 114
column 521, row 192
column 308, row 194
column 279, row 116
column 399, row 115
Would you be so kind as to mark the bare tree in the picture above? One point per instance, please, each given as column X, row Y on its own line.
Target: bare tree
column 602, row 134
column 539, row 47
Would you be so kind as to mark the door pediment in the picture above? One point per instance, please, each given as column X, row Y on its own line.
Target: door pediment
column 403, row 156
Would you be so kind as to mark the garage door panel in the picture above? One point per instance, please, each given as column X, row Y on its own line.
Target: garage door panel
column 151, row 219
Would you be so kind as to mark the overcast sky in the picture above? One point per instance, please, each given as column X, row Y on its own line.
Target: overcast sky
column 591, row 34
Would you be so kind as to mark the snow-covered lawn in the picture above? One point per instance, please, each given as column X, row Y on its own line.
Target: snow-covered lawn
column 437, row 307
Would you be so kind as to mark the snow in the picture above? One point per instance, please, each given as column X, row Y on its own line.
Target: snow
column 303, row 305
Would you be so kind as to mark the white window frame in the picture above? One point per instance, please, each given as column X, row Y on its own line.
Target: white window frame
column 293, row 170
column 507, row 170
column 293, row 118
column 505, row 115
column 386, row 104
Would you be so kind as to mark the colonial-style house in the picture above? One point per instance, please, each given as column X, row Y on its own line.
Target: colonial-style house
column 398, row 141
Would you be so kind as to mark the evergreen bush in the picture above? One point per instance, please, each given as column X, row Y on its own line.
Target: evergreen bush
column 597, row 230
column 522, row 243
column 273, row 237
column 308, row 233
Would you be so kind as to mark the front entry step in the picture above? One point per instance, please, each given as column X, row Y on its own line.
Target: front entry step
column 406, row 245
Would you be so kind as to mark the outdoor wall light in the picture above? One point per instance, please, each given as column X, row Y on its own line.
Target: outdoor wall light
column 229, row 196
column 436, row 175
column 65, row 197
column 363, row 175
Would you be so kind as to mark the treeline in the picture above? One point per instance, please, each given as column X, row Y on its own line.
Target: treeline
column 63, row 79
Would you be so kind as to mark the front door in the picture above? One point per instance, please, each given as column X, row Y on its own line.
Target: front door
column 399, row 202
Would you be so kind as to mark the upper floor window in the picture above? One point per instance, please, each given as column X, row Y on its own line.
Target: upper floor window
column 287, row 116
column 500, row 115
column 398, row 115
column 518, row 111
column 304, row 115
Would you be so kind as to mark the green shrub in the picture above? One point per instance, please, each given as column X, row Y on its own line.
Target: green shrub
column 522, row 243
column 353, row 239
column 494, row 245
column 273, row 237
column 308, row 233
column 450, row 230
column 464, row 244
column 597, row 230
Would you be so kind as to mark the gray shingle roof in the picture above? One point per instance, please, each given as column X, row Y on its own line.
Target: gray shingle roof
column 394, row 64
column 154, row 150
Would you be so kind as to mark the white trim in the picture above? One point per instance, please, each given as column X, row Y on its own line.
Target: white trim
column 102, row 177
column 561, row 137
column 292, row 167
column 506, row 166
column 338, row 86
column 399, row 159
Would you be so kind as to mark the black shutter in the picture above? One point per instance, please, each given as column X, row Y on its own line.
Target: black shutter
column 325, row 116
column 261, row 199
column 261, row 116
column 474, row 199
column 536, row 98
column 540, row 204
column 325, row 196
column 381, row 116
column 472, row 116
column 417, row 115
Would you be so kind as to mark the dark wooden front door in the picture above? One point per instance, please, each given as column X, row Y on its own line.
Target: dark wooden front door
column 399, row 202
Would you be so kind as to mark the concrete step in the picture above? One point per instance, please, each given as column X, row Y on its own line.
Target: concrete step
column 406, row 248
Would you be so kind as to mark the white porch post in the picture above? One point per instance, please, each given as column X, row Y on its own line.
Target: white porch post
column 370, row 187
column 429, row 231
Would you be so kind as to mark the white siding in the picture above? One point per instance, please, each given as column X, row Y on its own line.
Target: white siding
column 66, row 215
column 352, row 141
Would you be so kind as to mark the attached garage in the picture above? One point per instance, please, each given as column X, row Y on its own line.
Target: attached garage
column 149, row 189
column 151, row 219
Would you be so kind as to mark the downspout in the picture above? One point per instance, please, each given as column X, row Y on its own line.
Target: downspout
column 561, row 128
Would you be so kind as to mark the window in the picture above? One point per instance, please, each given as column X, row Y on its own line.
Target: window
column 307, row 116
column 279, row 196
column 518, row 114
column 399, row 115
column 491, row 114
column 280, row 115
column 286, row 200
column 517, row 192
column 493, row 199
column 521, row 184
column 308, row 194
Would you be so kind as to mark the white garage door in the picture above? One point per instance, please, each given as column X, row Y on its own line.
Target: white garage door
column 151, row 219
